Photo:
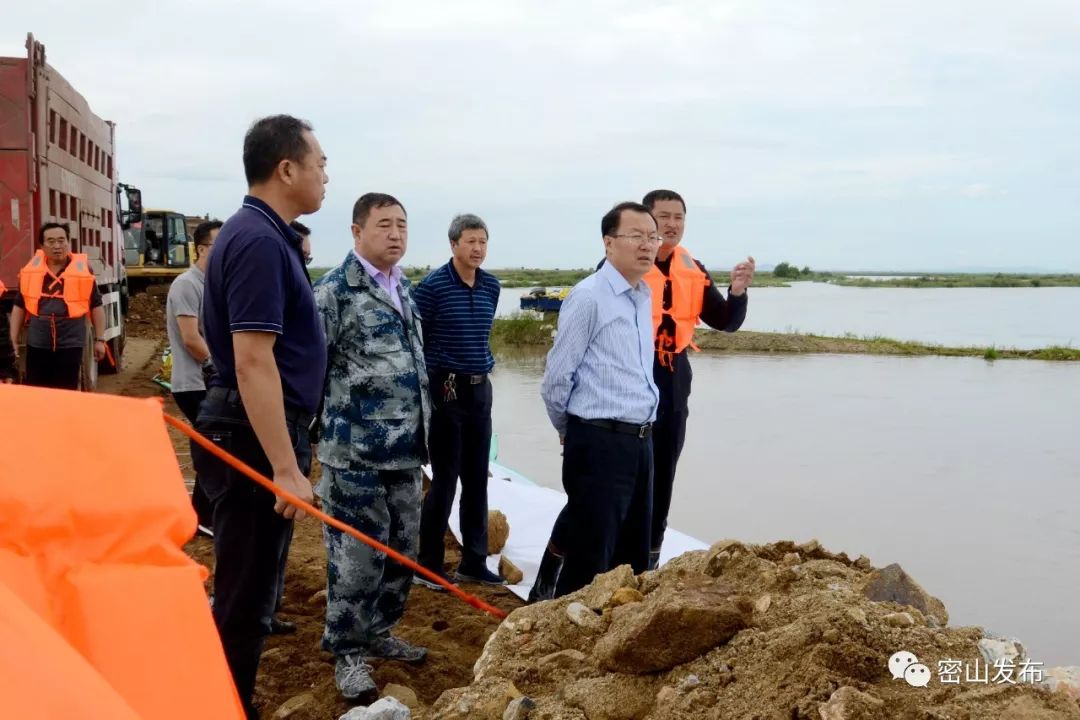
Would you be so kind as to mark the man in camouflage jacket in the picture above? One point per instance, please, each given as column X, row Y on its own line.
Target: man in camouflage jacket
column 375, row 418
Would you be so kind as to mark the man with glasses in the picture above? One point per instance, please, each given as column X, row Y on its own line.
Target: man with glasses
column 305, row 235
column 57, row 290
column 683, row 292
column 599, row 393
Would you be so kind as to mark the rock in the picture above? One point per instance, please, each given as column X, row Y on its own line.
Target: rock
column 994, row 648
column 863, row 563
column 519, row 709
column 689, row 683
column 387, row 708
column 812, row 547
column 1064, row 680
column 791, row 559
column 510, row 571
column 702, row 614
column 293, row 705
column 525, row 625
column 899, row 619
column 598, row 594
column 857, row 615
column 666, row 697
column 498, row 532
column 272, row 653
column 892, row 584
column 561, row 660
column 831, row 635
column 318, row 598
column 720, row 553
column 583, row 617
column 763, row 604
column 403, row 694
column 847, row 703
column 611, row 697
column 625, row 596
column 486, row 699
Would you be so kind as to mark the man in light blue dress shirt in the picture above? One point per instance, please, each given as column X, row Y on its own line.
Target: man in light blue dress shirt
column 599, row 393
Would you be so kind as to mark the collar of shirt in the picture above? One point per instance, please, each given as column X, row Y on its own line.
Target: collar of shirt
column 290, row 235
column 395, row 272
column 456, row 277
column 618, row 283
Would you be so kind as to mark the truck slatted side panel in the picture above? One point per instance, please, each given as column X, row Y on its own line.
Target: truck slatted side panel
column 17, row 218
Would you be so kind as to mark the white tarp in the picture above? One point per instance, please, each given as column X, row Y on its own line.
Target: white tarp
column 531, row 511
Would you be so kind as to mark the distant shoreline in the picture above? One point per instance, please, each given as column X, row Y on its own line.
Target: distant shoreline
column 522, row 331
column 535, row 277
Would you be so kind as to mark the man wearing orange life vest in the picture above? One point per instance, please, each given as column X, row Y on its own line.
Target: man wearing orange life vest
column 682, row 293
column 57, row 293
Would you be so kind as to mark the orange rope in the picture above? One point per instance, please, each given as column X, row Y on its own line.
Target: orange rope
column 315, row 512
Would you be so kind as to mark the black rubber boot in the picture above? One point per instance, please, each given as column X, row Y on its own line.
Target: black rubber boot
column 550, row 567
column 654, row 559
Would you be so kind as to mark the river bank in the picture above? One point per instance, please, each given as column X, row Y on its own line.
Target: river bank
column 524, row 330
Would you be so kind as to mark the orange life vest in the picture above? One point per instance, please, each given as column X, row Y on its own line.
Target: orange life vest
column 78, row 284
column 688, row 284
column 3, row 287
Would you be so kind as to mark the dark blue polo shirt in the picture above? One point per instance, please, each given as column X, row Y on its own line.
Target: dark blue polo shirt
column 457, row 319
column 256, row 281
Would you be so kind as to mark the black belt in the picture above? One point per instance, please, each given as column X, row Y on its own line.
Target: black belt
column 293, row 415
column 642, row 431
column 463, row 377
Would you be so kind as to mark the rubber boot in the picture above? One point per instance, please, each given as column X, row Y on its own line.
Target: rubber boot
column 654, row 559
column 550, row 567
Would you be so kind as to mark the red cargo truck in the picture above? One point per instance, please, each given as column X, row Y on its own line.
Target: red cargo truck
column 58, row 164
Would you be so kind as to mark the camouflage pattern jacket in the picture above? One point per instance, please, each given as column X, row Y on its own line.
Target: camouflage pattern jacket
column 376, row 407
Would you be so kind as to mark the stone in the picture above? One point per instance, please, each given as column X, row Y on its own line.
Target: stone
column 994, row 648
column 486, row 699
column 812, row 547
column 498, row 532
column 831, row 635
column 899, row 619
column 611, row 697
column 510, row 571
column 387, row 708
column 293, row 705
column 857, row 615
column 703, row 614
column 863, row 563
column 583, row 617
column 598, row 593
column 1064, row 680
column 625, row 596
column 525, row 625
column 519, row 709
column 763, row 604
column 403, row 694
column 272, row 653
column 791, row 559
column 561, row 660
column 667, row 697
column 318, row 598
column 689, row 683
column 847, row 703
column 892, row 584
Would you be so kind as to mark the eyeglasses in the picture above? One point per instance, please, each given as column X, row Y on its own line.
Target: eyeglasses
column 308, row 259
column 641, row 239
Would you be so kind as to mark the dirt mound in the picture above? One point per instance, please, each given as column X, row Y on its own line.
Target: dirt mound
column 739, row 631
column 146, row 314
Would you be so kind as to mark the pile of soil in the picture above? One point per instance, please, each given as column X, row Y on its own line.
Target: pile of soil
column 146, row 313
column 738, row 631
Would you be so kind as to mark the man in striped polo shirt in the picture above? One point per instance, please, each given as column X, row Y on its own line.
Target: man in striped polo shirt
column 457, row 307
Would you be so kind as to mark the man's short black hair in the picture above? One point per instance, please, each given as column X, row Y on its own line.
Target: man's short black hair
column 300, row 228
column 609, row 225
column 368, row 202
column 271, row 140
column 52, row 226
column 203, row 230
column 655, row 196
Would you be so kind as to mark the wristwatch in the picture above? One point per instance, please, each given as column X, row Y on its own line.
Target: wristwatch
column 99, row 340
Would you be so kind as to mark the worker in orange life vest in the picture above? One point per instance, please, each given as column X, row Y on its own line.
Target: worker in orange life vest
column 57, row 293
column 683, row 293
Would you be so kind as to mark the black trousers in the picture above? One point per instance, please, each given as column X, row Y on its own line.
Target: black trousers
column 189, row 402
column 250, row 539
column 669, row 436
column 54, row 368
column 459, row 445
column 607, row 476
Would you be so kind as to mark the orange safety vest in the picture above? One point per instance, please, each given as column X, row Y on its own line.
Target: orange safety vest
column 688, row 284
column 79, row 284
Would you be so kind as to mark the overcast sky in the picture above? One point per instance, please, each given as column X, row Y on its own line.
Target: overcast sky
column 850, row 134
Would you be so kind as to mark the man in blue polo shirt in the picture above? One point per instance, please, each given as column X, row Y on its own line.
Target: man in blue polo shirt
column 269, row 351
column 457, row 308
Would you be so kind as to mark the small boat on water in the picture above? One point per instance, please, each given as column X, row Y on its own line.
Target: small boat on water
column 544, row 299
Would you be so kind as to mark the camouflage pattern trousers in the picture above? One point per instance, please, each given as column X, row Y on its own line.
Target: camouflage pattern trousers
column 365, row 591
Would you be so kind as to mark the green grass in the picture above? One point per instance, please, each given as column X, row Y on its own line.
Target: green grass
column 523, row 330
column 954, row 280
